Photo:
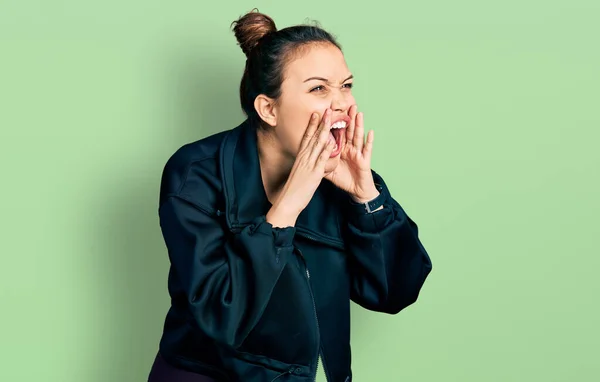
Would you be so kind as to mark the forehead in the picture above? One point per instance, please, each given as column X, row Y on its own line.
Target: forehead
column 322, row 60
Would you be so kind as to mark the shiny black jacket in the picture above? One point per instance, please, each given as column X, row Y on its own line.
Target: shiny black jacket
column 251, row 302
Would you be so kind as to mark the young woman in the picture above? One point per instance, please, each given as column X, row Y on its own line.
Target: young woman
column 274, row 226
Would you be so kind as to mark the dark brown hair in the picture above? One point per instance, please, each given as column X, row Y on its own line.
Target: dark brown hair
column 267, row 51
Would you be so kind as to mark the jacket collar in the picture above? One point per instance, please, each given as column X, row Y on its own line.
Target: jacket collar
column 245, row 196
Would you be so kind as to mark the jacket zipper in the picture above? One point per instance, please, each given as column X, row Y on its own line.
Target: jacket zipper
column 291, row 371
column 312, row 297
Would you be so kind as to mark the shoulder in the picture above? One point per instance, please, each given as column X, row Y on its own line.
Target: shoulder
column 192, row 171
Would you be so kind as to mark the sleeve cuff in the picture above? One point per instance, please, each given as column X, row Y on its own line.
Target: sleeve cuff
column 372, row 221
column 282, row 237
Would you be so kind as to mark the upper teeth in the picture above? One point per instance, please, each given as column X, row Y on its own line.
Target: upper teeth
column 339, row 125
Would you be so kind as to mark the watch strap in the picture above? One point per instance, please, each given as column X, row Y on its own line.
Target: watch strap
column 372, row 205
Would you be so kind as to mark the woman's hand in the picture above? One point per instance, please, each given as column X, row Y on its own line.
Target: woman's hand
column 307, row 173
column 353, row 173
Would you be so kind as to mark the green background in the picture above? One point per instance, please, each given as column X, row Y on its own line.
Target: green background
column 486, row 117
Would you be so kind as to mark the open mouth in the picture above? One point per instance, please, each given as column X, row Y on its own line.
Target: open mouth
column 338, row 133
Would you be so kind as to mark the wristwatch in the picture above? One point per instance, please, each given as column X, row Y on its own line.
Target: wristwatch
column 370, row 206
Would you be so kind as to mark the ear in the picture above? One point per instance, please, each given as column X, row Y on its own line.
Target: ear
column 265, row 107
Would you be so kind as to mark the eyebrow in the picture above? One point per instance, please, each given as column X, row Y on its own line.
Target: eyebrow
column 325, row 79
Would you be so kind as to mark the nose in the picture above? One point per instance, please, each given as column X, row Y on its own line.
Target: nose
column 339, row 102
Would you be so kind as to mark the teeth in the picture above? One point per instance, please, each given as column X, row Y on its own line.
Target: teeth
column 339, row 125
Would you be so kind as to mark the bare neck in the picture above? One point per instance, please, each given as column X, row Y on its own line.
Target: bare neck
column 275, row 165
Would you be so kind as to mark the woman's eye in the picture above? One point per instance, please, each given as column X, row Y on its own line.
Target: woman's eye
column 321, row 87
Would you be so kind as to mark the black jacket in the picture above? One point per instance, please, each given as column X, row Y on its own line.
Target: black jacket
column 251, row 302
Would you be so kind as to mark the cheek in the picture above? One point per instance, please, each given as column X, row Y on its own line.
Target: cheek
column 312, row 104
column 294, row 133
column 350, row 99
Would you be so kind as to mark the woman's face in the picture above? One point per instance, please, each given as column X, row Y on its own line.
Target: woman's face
column 315, row 80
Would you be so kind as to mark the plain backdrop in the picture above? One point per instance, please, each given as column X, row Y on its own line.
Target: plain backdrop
column 486, row 116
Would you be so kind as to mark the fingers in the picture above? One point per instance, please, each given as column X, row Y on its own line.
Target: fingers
column 368, row 149
column 359, row 132
column 321, row 137
column 350, row 129
column 313, row 124
column 325, row 154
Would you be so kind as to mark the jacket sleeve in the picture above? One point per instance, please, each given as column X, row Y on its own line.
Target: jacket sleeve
column 388, row 263
column 227, row 278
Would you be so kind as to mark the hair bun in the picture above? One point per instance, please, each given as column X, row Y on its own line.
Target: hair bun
column 250, row 28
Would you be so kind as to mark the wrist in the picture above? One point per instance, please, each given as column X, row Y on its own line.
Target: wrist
column 366, row 196
column 281, row 215
column 369, row 202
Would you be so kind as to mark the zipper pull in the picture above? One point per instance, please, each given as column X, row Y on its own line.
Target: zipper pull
column 304, row 261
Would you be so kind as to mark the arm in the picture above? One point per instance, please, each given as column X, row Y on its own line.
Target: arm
column 388, row 263
column 228, row 278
